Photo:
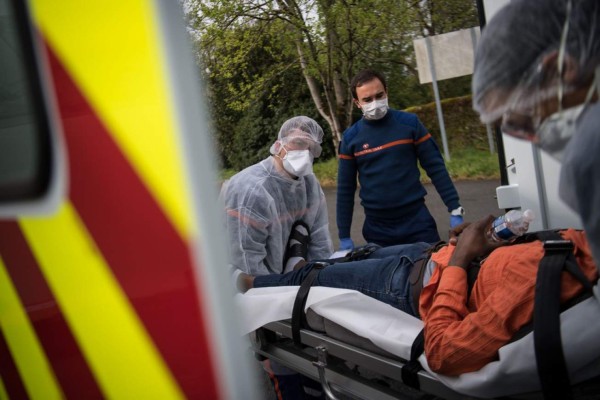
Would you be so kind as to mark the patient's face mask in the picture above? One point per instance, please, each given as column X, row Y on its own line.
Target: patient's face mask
column 376, row 109
column 298, row 162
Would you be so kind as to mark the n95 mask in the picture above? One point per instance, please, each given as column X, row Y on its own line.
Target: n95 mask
column 298, row 162
column 375, row 109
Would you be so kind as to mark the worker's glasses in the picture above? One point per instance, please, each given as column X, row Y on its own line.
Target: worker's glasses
column 302, row 143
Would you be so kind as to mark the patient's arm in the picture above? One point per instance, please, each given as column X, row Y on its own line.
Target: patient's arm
column 457, row 338
column 472, row 243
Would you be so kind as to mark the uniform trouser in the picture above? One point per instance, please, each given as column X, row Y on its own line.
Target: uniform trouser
column 418, row 226
column 290, row 385
column 384, row 275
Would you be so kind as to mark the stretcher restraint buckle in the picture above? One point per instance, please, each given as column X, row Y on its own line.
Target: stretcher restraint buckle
column 558, row 245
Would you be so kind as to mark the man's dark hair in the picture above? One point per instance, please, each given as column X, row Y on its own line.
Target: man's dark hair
column 364, row 76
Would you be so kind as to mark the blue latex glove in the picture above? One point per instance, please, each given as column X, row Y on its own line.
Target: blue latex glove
column 455, row 220
column 346, row 244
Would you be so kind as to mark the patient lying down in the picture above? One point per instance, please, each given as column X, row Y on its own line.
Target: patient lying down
column 463, row 331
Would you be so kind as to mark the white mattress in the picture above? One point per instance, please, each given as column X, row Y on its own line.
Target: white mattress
column 393, row 330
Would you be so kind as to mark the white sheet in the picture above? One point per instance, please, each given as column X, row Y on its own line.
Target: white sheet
column 394, row 331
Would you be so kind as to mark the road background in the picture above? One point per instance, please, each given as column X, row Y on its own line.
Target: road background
column 478, row 198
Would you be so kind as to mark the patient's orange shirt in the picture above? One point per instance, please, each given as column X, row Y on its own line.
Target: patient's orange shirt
column 463, row 336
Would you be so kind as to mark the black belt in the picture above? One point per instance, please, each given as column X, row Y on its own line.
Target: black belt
column 298, row 315
column 416, row 281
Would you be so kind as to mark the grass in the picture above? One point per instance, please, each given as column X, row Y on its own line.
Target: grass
column 470, row 165
column 463, row 165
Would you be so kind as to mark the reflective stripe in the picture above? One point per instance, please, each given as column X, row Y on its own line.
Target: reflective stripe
column 346, row 157
column 385, row 146
column 112, row 338
column 38, row 378
column 3, row 393
column 117, row 60
column 72, row 373
column 424, row 138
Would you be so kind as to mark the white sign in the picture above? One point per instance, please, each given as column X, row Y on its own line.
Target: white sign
column 452, row 54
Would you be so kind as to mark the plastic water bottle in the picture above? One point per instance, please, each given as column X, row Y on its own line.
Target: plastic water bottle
column 511, row 225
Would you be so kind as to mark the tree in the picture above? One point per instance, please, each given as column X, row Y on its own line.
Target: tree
column 328, row 39
column 249, row 46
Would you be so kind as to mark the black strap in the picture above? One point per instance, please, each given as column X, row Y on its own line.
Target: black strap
column 298, row 316
column 410, row 370
column 551, row 365
column 299, row 249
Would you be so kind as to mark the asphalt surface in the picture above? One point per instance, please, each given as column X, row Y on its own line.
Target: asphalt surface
column 477, row 197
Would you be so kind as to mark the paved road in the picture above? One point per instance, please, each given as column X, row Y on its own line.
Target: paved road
column 477, row 197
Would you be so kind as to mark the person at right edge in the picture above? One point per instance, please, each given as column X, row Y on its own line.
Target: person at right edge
column 383, row 149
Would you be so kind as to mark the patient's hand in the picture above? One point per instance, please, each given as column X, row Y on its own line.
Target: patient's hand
column 473, row 242
column 455, row 232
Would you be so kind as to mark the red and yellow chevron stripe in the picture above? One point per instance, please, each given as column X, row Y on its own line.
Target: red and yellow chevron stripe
column 99, row 300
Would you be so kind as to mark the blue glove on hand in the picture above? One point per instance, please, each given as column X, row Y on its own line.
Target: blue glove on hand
column 346, row 244
column 455, row 220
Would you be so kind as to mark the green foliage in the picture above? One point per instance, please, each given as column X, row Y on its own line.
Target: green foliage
column 266, row 61
column 326, row 171
column 463, row 129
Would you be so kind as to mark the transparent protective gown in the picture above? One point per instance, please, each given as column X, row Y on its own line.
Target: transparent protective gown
column 261, row 204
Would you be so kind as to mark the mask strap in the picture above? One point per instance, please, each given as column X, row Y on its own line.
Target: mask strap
column 283, row 147
column 561, row 54
column 595, row 85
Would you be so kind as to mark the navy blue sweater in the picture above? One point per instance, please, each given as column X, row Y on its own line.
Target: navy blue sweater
column 384, row 154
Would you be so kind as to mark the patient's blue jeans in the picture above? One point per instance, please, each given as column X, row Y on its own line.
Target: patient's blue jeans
column 383, row 275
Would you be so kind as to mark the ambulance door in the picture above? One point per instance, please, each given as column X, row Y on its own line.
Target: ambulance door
column 113, row 279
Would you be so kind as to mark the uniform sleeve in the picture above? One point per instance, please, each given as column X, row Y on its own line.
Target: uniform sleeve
column 320, row 240
column 432, row 162
column 459, row 341
column 247, row 227
column 346, row 188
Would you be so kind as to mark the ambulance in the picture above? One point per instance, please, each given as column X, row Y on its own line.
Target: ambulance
column 113, row 279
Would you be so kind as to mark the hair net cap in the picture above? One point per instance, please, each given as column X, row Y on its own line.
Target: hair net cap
column 509, row 68
column 301, row 128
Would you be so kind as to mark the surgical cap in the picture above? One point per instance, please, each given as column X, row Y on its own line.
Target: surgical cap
column 508, row 74
column 301, row 128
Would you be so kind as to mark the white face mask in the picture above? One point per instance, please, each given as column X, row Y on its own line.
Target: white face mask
column 298, row 162
column 375, row 109
column 557, row 130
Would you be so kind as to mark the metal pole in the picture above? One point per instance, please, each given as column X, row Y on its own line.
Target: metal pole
column 499, row 142
column 438, row 104
column 488, row 128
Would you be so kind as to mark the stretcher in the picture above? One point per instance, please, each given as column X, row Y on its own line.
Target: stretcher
column 357, row 347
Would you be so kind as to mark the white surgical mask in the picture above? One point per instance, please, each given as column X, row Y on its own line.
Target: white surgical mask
column 298, row 162
column 557, row 130
column 375, row 109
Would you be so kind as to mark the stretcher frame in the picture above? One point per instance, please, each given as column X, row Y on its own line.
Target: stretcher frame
column 323, row 359
column 323, row 356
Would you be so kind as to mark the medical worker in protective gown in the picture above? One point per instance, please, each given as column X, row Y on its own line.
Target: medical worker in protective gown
column 537, row 75
column 276, row 218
